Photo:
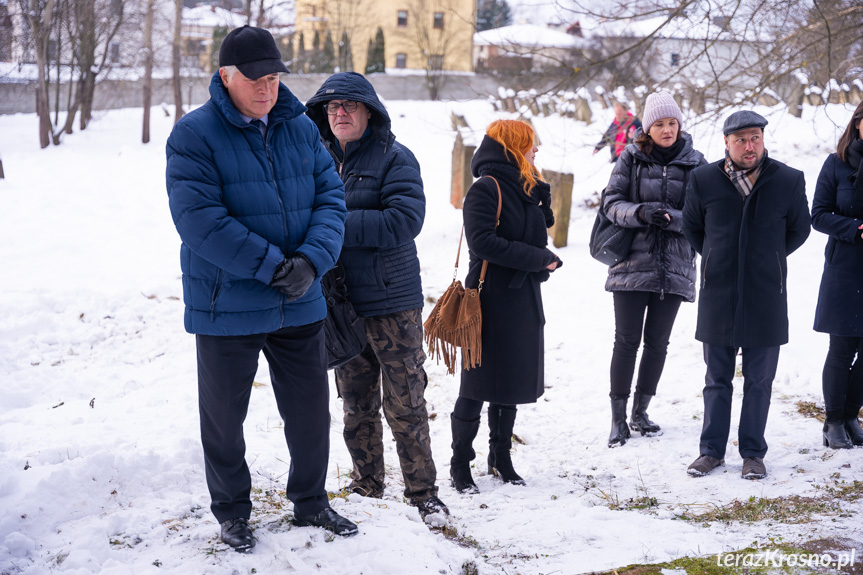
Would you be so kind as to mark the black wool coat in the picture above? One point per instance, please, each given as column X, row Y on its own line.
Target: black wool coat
column 660, row 261
column 840, row 299
column 513, row 348
column 744, row 242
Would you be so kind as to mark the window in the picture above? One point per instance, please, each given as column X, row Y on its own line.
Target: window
column 438, row 20
column 401, row 60
column 675, row 59
column 52, row 51
column 436, row 62
column 114, row 52
column 402, row 18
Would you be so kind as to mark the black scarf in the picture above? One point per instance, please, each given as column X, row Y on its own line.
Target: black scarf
column 854, row 158
column 666, row 155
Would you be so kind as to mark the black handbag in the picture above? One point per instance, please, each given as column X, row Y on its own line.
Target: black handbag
column 610, row 243
column 344, row 328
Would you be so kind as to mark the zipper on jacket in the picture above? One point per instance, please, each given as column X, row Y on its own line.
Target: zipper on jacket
column 216, row 291
column 275, row 183
column 781, row 282
column 663, row 273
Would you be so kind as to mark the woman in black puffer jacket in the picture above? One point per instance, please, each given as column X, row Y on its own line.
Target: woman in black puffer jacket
column 646, row 191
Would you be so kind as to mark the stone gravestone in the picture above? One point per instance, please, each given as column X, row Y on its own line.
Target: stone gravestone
column 582, row 110
column 561, row 204
column 461, row 176
column 795, row 100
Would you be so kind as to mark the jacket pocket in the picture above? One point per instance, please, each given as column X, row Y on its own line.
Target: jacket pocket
column 830, row 250
column 415, row 378
column 217, row 288
column 363, row 269
column 704, row 263
column 781, row 275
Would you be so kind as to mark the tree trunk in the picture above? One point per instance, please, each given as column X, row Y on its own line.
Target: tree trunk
column 177, row 54
column 87, row 58
column 148, row 69
column 40, row 26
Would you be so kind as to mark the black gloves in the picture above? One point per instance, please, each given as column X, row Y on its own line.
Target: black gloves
column 293, row 277
column 655, row 216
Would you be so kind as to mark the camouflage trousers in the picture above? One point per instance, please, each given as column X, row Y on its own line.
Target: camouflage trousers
column 390, row 366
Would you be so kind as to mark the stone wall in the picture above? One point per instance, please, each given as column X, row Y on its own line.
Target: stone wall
column 110, row 94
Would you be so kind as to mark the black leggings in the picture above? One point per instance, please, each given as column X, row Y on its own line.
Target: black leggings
column 470, row 409
column 629, row 324
column 842, row 378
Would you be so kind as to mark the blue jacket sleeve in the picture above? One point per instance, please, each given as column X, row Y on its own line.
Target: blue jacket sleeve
column 323, row 242
column 202, row 220
column 400, row 218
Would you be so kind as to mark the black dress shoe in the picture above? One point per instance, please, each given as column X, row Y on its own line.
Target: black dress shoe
column 238, row 534
column 329, row 520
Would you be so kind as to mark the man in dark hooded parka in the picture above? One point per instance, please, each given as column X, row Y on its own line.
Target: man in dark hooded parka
column 386, row 207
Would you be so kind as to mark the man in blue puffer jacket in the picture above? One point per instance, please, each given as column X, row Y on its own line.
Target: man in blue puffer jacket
column 260, row 211
column 386, row 208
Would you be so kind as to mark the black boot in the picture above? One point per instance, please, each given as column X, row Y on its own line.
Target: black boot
column 835, row 436
column 619, row 429
column 501, row 420
column 640, row 421
column 852, row 426
column 463, row 434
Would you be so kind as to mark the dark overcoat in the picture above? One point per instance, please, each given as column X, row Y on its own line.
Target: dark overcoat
column 513, row 347
column 840, row 299
column 660, row 260
column 385, row 201
column 744, row 242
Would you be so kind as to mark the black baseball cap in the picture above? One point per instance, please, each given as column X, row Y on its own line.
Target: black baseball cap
column 253, row 51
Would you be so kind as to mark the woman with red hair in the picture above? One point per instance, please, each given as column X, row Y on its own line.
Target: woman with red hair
column 512, row 316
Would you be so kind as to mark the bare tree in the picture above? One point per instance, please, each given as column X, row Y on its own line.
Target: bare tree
column 40, row 15
column 148, row 68
column 176, row 57
column 438, row 30
column 726, row 51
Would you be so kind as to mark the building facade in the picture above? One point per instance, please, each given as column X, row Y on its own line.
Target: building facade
column 418, row 34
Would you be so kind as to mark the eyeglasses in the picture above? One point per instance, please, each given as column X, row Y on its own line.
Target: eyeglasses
column 332, row 108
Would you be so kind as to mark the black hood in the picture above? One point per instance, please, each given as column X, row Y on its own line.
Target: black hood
column 348, row 86
column 489, row 153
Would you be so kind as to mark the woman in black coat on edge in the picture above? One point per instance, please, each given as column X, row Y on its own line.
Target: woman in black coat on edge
column 512, row 316
column 659, row 272
column 837, row 210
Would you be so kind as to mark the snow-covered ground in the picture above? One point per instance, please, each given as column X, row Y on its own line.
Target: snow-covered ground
column 100, row 460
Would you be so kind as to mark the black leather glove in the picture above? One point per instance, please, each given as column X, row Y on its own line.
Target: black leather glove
column 293, row 277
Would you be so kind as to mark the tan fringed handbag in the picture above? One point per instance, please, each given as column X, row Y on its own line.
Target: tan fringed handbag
column 456, row 320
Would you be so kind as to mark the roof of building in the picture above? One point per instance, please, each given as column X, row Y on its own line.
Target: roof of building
column 526, row 35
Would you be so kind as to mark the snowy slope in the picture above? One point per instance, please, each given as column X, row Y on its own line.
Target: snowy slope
column 100, row 461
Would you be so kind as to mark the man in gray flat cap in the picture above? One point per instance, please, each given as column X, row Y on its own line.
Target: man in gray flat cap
column 744, row 214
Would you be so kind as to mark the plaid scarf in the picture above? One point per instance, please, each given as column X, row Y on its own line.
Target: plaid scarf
column 743, row 180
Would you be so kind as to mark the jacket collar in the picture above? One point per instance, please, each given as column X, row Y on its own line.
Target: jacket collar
column 287, row 105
